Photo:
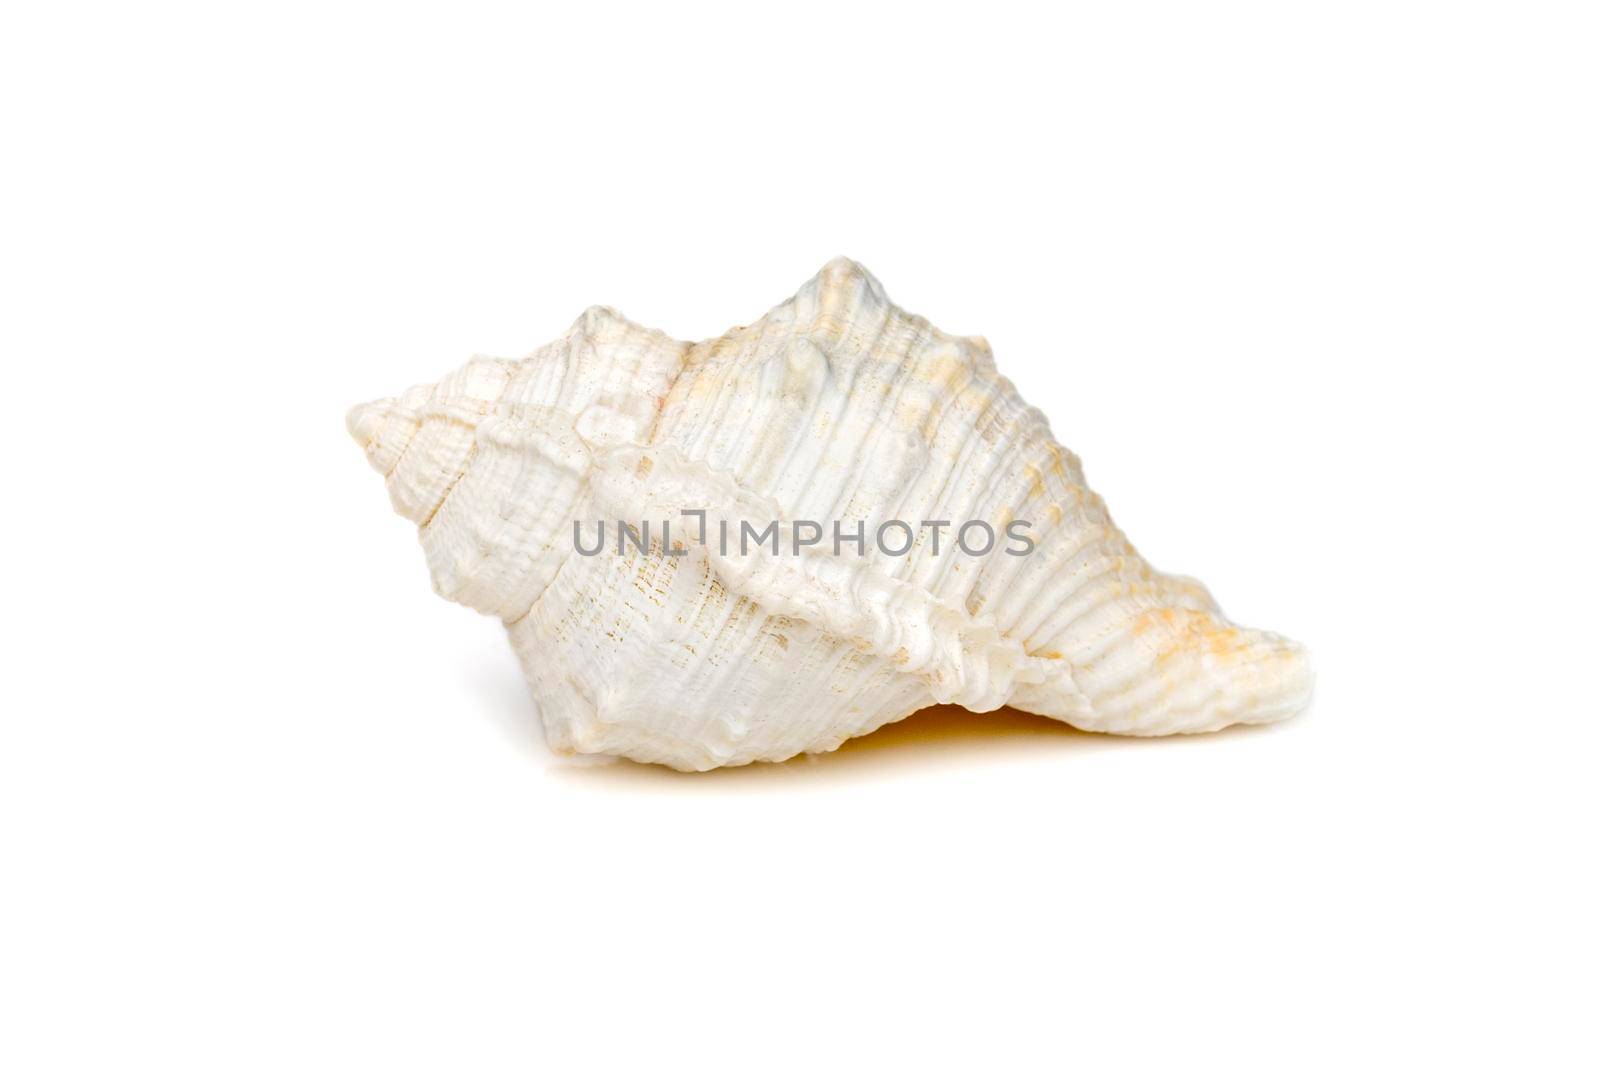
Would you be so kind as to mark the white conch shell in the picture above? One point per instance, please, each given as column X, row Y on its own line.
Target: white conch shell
column 836, row 406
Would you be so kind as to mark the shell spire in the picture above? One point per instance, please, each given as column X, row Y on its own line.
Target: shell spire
column 920, row 538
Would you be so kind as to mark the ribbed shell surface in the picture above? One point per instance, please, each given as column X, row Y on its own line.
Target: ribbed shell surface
column 835, row 408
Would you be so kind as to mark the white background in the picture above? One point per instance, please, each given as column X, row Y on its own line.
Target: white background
column 1312, row 290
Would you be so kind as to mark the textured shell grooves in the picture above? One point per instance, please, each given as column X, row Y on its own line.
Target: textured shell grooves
column 965, row 658
column 836, row 406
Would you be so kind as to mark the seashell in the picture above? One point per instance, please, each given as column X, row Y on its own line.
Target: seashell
column 836, row 410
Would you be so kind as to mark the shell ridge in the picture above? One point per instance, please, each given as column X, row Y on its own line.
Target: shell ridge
column 967, row 659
